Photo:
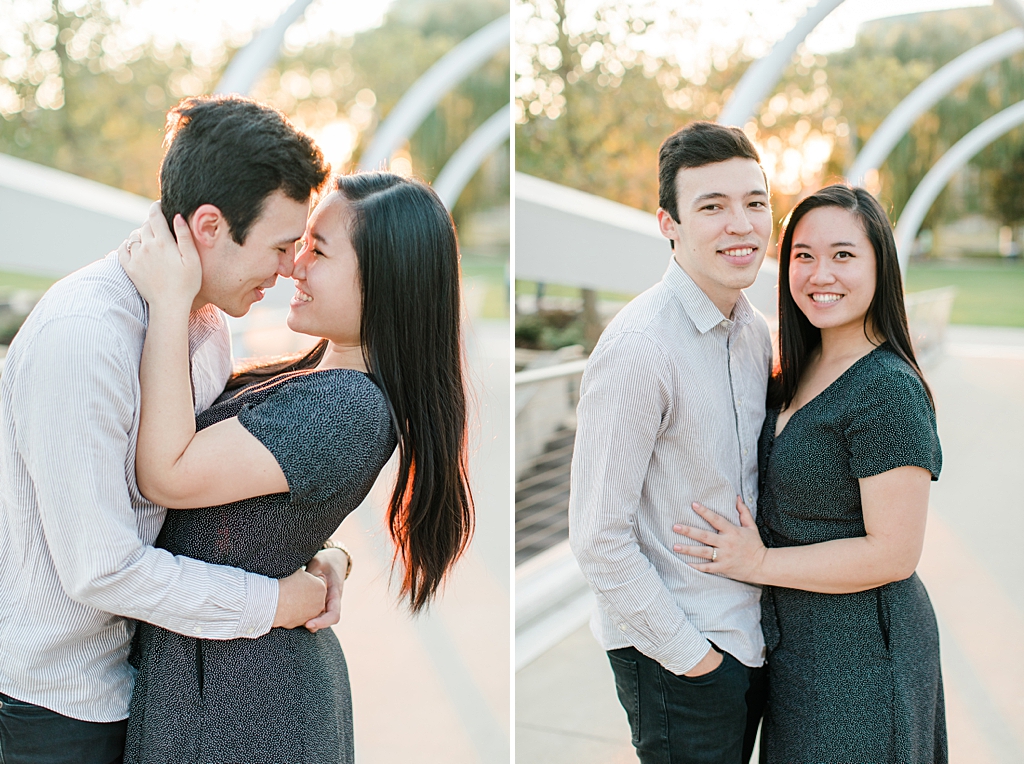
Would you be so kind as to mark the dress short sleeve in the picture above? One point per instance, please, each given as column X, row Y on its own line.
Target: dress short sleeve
column 894, row 423
column 327, row 429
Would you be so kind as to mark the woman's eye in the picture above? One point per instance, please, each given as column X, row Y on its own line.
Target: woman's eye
column 843, row 255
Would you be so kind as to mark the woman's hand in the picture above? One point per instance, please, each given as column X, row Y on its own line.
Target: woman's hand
column 330, row 565
column 732, row 551
column 164, row 271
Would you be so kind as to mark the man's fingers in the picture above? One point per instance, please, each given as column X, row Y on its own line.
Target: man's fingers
column 330, row 616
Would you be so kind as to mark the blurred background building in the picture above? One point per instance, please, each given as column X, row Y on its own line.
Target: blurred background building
column 84, row 87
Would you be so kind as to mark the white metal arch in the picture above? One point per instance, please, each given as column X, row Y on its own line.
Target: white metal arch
column 251, row 61
column 932, row 184
column 760, row 79
column 422, row 97
column 463, row 164
column 926, row 95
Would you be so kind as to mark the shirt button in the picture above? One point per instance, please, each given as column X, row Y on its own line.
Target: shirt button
column 250, row 632
column 622, row 627
column 198, row 630
column 744, row 452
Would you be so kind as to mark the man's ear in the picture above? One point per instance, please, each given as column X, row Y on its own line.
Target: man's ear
column 208, row 226
column 668, row 226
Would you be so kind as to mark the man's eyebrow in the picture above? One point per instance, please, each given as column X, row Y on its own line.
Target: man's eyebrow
column 287, row 241
column 720, row 195
column 712, row 195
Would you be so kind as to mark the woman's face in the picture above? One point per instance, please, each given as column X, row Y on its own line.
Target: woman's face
column 328, row 295
column 832, row 271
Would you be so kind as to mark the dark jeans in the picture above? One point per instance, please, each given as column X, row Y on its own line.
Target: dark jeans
column 34, row 735
column 709, row 719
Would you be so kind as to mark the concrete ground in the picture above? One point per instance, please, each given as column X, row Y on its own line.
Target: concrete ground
column 434, row 689
column 566, row 709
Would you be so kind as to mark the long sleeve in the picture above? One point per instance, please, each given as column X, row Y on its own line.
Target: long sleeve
column 626, row 398
column 74, row 410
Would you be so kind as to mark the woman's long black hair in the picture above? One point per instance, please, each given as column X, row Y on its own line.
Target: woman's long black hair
column 411, row 331
column 798, row 337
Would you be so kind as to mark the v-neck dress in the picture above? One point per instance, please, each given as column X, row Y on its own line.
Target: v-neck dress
column 853, row 677
column 282, row 698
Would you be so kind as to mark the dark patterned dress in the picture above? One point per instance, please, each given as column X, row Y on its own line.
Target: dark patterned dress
column 282, row 698
column 854, row 678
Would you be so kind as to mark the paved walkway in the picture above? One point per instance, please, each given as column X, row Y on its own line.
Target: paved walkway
column 434, row 689
column 566, row 710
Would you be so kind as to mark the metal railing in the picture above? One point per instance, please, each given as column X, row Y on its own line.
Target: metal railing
column 552, row 597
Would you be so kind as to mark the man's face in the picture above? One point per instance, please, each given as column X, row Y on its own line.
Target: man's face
column 725, row 223
column 234, row 276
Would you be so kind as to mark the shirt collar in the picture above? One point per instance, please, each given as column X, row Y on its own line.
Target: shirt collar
column 704, row 313
column 201, row 324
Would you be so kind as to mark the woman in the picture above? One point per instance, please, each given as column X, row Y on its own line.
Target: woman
column 288, row 452
column 846, row 456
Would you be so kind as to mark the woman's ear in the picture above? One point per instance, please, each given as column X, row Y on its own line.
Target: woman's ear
column 208, row 226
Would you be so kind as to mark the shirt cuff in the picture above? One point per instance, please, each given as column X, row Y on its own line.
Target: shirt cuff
column 683, row 652
column 260, row 606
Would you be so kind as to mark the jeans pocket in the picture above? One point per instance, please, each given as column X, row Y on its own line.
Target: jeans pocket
column 712, row 675
column 20, row 709
column 627, row 687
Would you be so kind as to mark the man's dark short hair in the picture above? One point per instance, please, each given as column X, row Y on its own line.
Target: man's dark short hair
column 233, row 153
column 697, row 144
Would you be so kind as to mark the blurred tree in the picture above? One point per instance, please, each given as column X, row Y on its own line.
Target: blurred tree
column 342, row 89
column 1008, row 189
column 596, row 96
column 82, row 92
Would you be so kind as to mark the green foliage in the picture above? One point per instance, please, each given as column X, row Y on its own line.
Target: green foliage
column 1008, row 188
column 549, row 330
column 893, row 56
column 90, row 101
column 595, row 122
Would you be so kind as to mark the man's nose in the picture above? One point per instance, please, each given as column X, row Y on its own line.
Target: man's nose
column 286, row 263
column 739, row 223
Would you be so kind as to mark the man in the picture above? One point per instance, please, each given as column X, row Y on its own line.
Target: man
column 671, row 406
column 76, row 560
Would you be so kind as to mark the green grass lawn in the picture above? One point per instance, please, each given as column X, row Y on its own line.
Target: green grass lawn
column 488, row 274
column 989, row 292
column 24, row 281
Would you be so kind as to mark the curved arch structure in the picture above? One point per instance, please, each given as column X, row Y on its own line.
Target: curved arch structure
column 463, row 164
column 251, row 61
column 422, row 97
column 932, row 184
column 759, row 80
column 926, row 95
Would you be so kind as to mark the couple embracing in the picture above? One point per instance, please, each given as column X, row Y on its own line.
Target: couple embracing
column 199, row 634
column 729, row 514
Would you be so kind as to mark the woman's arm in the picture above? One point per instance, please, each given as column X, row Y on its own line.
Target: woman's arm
column 895, row 505
column 176, row 466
